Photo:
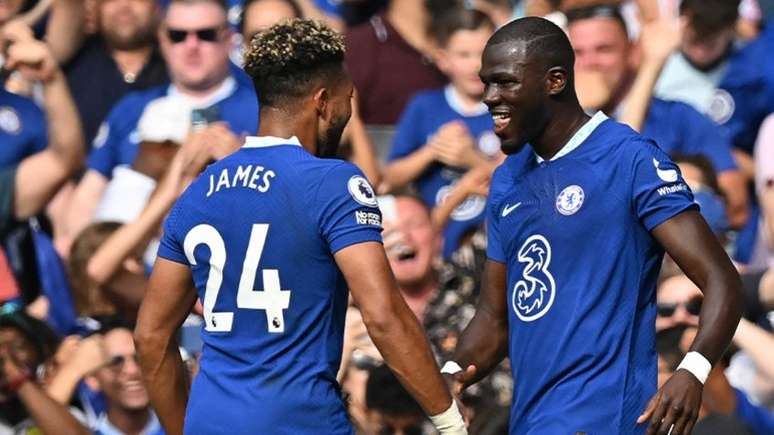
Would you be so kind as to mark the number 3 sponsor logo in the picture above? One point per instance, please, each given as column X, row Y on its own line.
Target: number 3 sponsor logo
column 534, row 293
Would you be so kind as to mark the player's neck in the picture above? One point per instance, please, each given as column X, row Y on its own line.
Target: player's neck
column 128, row 422
column 565, row 122
column 279, row 123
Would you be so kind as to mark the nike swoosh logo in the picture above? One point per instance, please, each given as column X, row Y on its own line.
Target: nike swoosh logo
column 668, row 175
column 508, row 209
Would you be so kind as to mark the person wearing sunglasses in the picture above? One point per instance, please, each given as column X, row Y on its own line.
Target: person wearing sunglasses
column 195, row 41
column 120, row 381
column 678, row 302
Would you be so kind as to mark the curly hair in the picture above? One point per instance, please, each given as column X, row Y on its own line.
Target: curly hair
column 288, row 59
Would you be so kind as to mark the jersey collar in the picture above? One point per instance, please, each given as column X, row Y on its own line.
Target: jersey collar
column 454, row 101
column 223, row 91
column 269, row 141
column 579, row 137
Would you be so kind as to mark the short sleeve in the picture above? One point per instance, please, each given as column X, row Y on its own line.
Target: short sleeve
column 103, row 156
column 408, row 135
column 347, row 209
column 170, row 246
column 658, row 189
column 494, row 247
column 704, row 137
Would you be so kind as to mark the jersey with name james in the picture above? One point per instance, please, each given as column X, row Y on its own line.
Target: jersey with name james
column 259, row 230
column 575, row 236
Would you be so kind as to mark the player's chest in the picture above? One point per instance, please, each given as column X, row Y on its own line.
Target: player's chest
column 570, row 203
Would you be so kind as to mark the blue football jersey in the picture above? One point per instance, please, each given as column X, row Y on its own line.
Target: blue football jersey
column 747, row 90
column 678, row 128
column 23, row 129
column 116, row 142
column 574, row 234
column 426, row 113
column 259, row 230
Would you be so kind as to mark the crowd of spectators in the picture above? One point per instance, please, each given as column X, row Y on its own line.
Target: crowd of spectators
column 109, row 108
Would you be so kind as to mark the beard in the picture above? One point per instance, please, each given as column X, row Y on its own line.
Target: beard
column 139, row 36
column 328, row 143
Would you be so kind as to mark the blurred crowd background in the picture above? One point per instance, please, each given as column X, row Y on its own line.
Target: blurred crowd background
column 107, row 105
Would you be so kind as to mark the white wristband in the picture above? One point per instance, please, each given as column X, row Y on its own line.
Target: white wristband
column 695, row 363
column 450, row 422
column 450, row 368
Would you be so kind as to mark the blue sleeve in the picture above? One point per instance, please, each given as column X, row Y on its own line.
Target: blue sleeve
column 408, row 135
column 40, row 130
column 347, row 209
column 170, row 245
column 658, row 189
column 103, row 157
column 760, row 419
column 704, row 137
column 494, row 248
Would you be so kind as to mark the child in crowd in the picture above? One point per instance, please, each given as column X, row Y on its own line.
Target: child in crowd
column 446, row 132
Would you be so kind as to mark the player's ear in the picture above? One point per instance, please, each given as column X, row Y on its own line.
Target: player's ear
column 556, row 80
column 322, row 99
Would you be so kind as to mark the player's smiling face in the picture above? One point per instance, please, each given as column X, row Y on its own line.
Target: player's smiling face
column 515, row 92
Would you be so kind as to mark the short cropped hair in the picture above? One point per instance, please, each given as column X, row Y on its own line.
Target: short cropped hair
column 453, row 20
column 220, row 3
column 288, row 59
column 709, row 17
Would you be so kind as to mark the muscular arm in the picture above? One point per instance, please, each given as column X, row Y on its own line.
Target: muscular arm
column 484, row 343
column 689, row 241
column 168, row 300
column 392, row 326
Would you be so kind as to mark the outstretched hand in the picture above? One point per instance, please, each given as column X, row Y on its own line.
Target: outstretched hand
column 676, row 404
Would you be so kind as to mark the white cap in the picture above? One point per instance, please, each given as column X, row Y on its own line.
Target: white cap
column 165, row 119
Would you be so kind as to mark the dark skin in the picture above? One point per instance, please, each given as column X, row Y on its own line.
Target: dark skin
column 544, row 112
column 317, row 121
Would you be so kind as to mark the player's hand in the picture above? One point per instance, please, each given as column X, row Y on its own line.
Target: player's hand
column 676, row 403
column 32, row 59
column 460, row 380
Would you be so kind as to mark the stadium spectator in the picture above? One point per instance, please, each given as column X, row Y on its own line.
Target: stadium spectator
column 120, row 381
column 693, row 74
column 442, row 294
column 762, row 256
column 749, row 81
column 599, row 37
column 678, row 302
column 29, row 184
column 261, row 14
column 391, row 409
column 390, row 59
column 90, row 298
column 195, row 41
column 122, row 57
column 445, row 132
column 26, row 344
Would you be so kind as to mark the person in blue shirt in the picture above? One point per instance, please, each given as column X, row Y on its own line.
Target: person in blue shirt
column 445, row 132
column 578, row 222
column 270, row 238
column 23, row 129
column 195, row 42
column 749, row 84
column 600, row 39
